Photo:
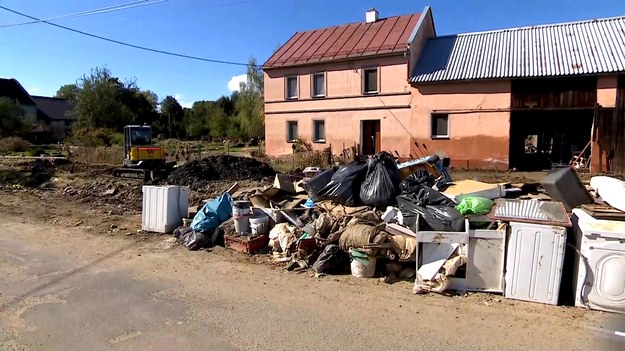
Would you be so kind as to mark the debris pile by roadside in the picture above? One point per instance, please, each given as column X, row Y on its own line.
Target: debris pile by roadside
column 198, row 174
column 411, row 221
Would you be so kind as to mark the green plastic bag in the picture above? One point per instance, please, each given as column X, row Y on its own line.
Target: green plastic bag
column 474, row 205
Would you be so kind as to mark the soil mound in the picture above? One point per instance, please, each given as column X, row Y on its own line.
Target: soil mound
column 197, row 174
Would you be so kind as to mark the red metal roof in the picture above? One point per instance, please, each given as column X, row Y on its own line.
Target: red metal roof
column 387, row 35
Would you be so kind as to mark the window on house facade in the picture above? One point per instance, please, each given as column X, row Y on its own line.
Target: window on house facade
column 291, row 87
column 370, row 81
column 319, row 131
column 318, row 85
column 440, row 125
column 291, row 131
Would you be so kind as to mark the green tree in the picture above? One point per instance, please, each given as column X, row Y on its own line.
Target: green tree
column 171, row 117
column 11, row 118
column 250, row 103
column 68, row 91
column 105, row 101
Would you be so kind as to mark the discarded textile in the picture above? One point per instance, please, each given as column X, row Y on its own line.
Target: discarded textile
column 440, row 281
column 414, row 181
column 282, row 235
column 212, row 214
column 344, row 187
column 381, row 184
column 475, row 205
column 404, row 247
column 331, row 260
column 359, row 236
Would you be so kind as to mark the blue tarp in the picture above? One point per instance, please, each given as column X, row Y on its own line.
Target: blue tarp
column 212, row 214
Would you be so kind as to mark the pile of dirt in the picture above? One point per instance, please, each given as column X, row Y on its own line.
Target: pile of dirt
column 199, row 174
column 106, row 197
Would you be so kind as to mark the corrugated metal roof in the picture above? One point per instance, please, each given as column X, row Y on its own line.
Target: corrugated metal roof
column 387, row 35
column 588, row 47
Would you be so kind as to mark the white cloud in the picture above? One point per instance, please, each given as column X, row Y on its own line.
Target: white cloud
column 185, row 104
column 34, row 90
column 235, row 82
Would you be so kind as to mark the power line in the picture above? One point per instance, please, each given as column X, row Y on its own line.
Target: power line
column 125, row 44
column 107, row 9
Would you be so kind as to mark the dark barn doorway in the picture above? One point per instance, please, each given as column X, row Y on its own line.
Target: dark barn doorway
column 551, row 121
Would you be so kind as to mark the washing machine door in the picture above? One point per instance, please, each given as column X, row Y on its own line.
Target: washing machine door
column 608, row 289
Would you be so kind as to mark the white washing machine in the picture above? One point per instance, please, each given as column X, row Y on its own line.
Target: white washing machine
column 534, row 262
column 600, row 274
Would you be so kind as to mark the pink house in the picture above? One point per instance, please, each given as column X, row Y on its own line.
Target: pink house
column 342, row 85
column 521, row 98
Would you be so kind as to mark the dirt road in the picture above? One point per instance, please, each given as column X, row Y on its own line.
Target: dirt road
column 79, row 288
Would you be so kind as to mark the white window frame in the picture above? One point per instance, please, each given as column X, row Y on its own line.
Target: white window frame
column 286, row 88
column 288, row 131
column 312, row 84
column 314, row 131
column 433, row 134
column 363, row 80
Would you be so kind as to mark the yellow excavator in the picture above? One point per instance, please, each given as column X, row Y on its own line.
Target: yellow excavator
column 142, row 159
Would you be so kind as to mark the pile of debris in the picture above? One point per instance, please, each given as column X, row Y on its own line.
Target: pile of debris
column 411, row 221
column 199, row 174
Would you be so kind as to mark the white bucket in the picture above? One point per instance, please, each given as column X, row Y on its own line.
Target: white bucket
column 259, row 225
column 241, row 208
column 360, row 270
column 242, row 224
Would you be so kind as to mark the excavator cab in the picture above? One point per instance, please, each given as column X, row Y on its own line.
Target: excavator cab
column 141, row 157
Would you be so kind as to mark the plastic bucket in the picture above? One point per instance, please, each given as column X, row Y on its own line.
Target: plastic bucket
column 363, row 265
column 259, row 225
column 241, row 208
column 242, row 224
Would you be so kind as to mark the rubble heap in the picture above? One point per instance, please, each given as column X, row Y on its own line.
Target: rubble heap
column 198, row 174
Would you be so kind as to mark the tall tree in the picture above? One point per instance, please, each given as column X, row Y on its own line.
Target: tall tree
column 171, row 117
column 250, row 104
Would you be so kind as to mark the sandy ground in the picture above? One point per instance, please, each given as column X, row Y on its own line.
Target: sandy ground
column 76, row 276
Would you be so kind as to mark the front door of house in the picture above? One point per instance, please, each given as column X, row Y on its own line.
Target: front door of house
column 371, row 137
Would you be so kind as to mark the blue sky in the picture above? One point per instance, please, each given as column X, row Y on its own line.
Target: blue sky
column 43, row 58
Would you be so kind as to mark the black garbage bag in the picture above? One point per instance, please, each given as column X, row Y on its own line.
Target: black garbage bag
column 414, row 181
column 344, row 187
column 381, row 184
column 441, row 218
column 331, row 260
column 437, row 210
column 194, row 240
column 318, row 182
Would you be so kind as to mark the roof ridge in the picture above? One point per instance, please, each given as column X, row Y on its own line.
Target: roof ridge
column 358, row 22
column 547, row 25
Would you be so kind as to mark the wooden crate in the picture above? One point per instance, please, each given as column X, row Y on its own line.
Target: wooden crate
column 247, row 244
column 604, row 212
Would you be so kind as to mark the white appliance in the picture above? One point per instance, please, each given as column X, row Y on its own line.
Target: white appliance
column 600, row 275
column 164, row 207
column 534, row 262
